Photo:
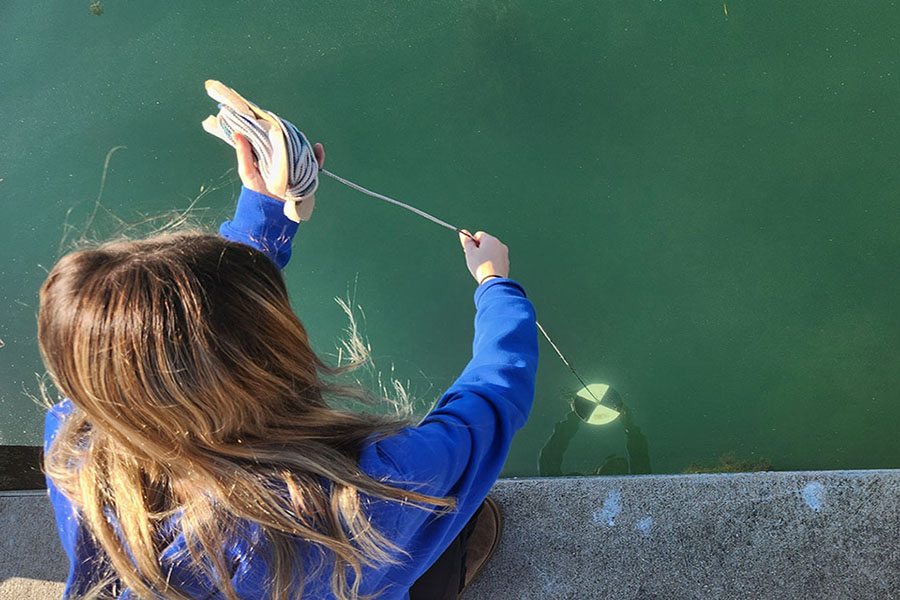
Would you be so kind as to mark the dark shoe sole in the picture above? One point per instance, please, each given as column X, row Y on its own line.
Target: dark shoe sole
column 489, row 523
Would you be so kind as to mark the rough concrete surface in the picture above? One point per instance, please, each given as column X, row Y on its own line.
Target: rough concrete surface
column 818, row 535
column 815, row 535
column 32, row 562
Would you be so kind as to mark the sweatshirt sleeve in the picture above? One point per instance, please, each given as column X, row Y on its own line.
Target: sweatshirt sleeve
column 259, row 222
column 74, row 538
column 460, row 447
column 66, row 520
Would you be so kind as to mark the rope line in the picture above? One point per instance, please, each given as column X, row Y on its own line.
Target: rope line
column 303, row 179
column 563, row 358
column 301, row 160
column 421, row 213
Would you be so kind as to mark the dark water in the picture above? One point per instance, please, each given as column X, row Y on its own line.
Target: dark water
column 703, row 208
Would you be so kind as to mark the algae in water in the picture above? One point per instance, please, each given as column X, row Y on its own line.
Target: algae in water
column 729, row 463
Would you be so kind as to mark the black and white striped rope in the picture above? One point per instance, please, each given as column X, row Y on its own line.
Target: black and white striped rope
column 301, row 161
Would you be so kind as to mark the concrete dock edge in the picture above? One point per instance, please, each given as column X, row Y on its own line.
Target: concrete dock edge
column 791, row 535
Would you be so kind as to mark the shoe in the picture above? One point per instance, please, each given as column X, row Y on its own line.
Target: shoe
column 483, row 542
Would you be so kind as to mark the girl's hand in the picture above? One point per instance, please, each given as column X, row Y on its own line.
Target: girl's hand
column 249, row 170
column 485, row 256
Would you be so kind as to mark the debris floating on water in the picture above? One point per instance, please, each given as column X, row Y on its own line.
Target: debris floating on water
column 96, row 8
column 730, row 463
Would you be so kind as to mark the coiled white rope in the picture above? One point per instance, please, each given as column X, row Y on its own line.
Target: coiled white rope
column 301, row 162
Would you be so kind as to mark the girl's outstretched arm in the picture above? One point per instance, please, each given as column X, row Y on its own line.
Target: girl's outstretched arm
column 460, row 447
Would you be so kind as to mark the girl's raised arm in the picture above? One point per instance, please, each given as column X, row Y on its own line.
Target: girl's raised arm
column 259, row 219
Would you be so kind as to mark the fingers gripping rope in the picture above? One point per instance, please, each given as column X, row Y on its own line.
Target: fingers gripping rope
column 301, row 163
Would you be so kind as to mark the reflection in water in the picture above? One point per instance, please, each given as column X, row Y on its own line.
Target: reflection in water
column 636, row 447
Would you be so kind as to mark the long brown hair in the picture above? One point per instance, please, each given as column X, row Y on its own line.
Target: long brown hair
column 196, row 392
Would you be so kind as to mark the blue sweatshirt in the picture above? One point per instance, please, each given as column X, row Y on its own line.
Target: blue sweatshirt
column 458, row 449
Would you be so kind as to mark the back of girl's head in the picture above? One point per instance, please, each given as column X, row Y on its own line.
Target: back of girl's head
column 188, row 335
column 196, row 393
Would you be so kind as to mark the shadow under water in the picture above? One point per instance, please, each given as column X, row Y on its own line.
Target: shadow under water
column 637, row 462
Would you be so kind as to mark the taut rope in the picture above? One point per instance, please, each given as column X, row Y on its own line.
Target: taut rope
column 237, row 115
column 302, row 172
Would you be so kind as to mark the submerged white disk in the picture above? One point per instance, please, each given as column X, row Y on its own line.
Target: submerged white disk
column 591, row 412
column 594, row 392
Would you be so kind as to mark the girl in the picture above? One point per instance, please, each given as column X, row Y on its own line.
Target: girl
column 197, row 455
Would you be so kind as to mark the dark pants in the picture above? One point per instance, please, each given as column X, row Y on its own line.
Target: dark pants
column 445, row 579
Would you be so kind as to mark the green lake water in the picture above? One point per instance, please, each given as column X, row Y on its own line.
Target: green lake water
column 702, row 206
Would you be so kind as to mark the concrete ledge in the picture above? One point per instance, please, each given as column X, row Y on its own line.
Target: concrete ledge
column 758, row 535
column 820, row 535
column 32, row 562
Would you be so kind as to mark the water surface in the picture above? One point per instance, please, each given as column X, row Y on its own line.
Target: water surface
column 702, row 207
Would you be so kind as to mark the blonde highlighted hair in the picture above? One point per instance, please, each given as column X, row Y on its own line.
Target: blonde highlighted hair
column 196, row 394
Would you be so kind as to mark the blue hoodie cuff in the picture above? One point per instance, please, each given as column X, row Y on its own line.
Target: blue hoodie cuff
column 503, row 282
column 259, row 222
